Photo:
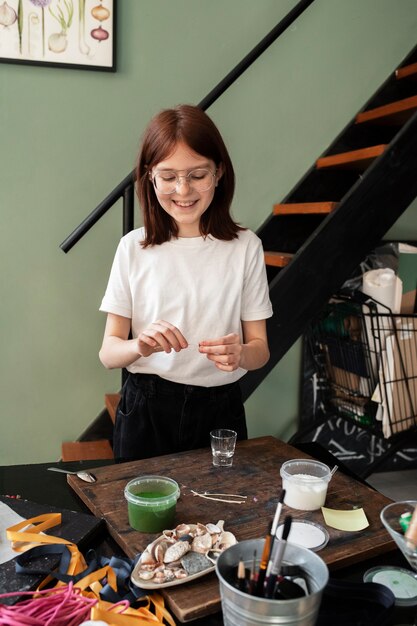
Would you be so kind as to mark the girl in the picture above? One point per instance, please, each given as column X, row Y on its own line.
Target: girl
column 187, row 297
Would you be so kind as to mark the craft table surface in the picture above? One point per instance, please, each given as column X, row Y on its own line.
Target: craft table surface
column 255, row 473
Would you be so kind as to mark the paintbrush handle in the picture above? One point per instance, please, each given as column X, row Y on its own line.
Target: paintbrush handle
column 259, row 589
column 273, row 569
column 266, row 552
column 277, row 515
column 270, row 586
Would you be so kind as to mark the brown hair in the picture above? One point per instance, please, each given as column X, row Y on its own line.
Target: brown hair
column 192, row 126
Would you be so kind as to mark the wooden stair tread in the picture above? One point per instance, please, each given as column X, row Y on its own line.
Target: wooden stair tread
column 86, row 450
column 408, row 71
column 278, row 259
column 354, row 159
column 397, row 112
column 304, row 208
column 111, row 401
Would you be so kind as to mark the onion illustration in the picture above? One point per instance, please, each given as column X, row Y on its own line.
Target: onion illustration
column 8, row 16
column 100, row 13
column 100, row 34
column 57, row 42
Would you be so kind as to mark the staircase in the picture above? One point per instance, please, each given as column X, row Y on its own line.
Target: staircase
column 341, row 209
column 89, row 447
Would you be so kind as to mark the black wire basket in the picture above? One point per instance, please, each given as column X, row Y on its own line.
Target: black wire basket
column 366, row 364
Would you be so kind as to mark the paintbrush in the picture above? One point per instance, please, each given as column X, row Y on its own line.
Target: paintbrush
column 277, row 559
column 241, row 582
column 253, row 576
column 264, row 563
column 277, row 513
column 274, row 527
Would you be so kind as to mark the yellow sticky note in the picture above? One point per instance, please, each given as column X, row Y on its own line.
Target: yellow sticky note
column 352, row 520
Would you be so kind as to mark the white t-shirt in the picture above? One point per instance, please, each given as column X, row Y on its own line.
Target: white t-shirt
column 203, row 286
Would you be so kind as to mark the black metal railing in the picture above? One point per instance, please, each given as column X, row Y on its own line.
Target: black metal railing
column 125, row 189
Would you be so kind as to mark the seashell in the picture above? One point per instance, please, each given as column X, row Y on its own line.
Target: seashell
column 180, row 573
column 226, row 540
column 201, row 543
column 220, row 524
column 213, row 529
column 176, row 551
column 188, row 538
column 169, row 574
column 148, row 567
column 160, row 550
column 160, row 568
column 159, row 540
column 181, row 530
column 156, row 550
column 146, row 574
column 200, row 529
column 164, row 576
column 147, row 559
column 193, row 562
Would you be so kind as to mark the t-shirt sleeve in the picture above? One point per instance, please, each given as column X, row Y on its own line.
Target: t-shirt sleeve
column 256, row 304
column 118, row 299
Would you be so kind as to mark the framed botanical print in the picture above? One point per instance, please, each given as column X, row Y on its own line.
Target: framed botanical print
column 77, row 34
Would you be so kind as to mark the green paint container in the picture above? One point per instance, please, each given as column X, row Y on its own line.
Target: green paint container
column 151, row 503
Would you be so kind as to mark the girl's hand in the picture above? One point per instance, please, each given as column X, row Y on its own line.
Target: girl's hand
column 225, row 352
column 160, row 336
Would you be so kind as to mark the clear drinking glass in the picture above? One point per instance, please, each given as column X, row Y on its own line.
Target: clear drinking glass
column 223, row 442
column 390, row 517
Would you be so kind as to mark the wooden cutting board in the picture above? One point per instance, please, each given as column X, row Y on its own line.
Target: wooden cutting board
column 255, row 473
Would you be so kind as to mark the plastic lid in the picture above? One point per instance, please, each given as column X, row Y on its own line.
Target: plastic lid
column 306, row 534
column 305, row 470
column 402, row 582
column 152, row 484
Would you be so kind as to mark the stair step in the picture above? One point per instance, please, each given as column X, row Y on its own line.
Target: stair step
column 398, row 112
column 408, row 71
column 354, row 159
column 304, row 208
column 278, row 259
column 111, row 401
column 86, row 450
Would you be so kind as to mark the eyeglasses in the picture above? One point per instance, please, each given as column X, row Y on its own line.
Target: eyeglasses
column 167, row 181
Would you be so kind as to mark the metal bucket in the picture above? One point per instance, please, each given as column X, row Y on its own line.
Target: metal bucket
column 241, row 609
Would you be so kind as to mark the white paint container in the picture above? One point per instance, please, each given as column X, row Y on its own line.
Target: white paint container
column 305, row 482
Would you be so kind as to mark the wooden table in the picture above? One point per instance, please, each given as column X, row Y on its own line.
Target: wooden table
column 255, row 473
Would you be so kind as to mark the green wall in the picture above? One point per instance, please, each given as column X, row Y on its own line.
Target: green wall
column 67, row 137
